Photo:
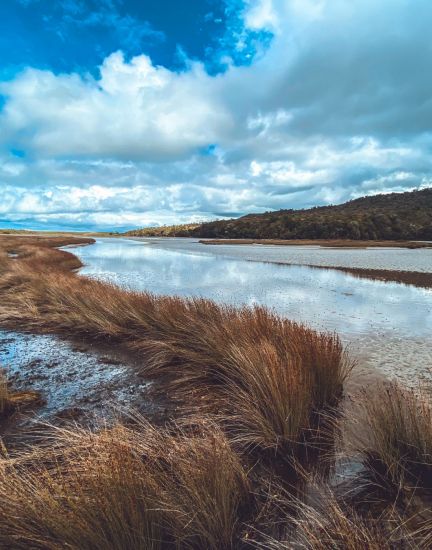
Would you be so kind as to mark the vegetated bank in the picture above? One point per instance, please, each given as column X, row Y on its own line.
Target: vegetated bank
column 254, row 419
column 394, row 217
column 415, row 278
column 248, row 365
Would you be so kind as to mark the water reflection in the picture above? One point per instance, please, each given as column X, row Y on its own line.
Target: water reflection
column 325, row 299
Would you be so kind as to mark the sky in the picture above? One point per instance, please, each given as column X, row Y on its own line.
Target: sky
column 117, row 114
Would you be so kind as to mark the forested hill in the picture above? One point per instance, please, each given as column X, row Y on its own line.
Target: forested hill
column 392, row 216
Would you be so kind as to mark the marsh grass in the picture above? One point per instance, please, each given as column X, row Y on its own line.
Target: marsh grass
column 4, row 394
column 264, row 377
column 398, row 451
column 243, row 380
column 134, row 488
column 322, row 519
column 11, row 401
column 142, row 487
column 331, row 526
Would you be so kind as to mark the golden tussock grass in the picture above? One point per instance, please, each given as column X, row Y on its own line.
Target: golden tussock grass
column 125, row 488
column 329, row 524
column 4, row 394
column 265, row 377
column 11, row 401
column 398, row 450
column 141, row 487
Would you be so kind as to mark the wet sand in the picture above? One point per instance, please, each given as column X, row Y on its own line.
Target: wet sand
column 74, row 379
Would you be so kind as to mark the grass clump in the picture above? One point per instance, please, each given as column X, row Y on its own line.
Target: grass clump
column 4, row 394
column 322, row 516
column 134, row 488
column 329, row 524
column 399, row 449
column 11, row 401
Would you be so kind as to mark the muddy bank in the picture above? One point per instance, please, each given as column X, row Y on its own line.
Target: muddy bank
column 74, row 380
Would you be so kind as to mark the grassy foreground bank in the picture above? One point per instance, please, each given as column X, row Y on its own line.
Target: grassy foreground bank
column 265, row 376
column 255, row 397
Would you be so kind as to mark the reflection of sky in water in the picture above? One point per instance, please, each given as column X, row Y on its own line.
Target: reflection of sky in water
column 325, row 299
column 373, row 258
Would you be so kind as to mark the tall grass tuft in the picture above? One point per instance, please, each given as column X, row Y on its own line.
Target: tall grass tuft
column 4, row 394
column 330, row 524
column 10, row 400
column 134, row 488
column 399, row 449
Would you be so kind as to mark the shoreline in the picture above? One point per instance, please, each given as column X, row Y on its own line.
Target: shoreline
column 322, row 243
column 414, row 278
column 41, row 292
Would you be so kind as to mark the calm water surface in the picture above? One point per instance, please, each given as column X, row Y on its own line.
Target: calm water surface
column 401, row 259
column 388, row 324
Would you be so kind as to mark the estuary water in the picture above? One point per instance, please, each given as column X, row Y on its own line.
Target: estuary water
column 387, row 326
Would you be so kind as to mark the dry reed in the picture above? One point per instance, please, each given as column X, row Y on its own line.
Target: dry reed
column 134, row 488
column 12, row 400
column 329, row 523
column 265, row 377
column 398, row 451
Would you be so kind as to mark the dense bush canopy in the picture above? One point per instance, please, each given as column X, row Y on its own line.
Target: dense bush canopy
column 394, row 216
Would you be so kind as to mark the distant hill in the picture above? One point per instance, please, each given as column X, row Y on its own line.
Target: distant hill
column 184, row 230
column 394, row 216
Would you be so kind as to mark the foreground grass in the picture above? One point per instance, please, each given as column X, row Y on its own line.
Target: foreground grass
column 138, row 487
column 332, row 525
column 398, row 451
column 124, row 488
column 265, row 378
column 243, row 379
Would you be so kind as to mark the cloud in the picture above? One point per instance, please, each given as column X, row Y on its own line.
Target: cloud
column 337, row 106
column 135, row 110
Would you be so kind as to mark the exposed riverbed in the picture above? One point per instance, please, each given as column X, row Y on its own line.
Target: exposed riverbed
column 75, row 380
